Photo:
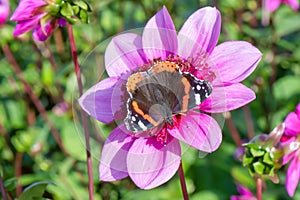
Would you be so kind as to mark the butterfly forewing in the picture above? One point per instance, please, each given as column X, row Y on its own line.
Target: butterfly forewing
column 200, row 90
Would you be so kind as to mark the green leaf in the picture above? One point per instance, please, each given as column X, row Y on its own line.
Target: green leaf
column 76, row 9
column 34, row 191
column 267, row 159
column 247, row 160
column 257, row 152
column 10, row 184
column 47, row 74
column 84, row 5
column 84, row 16
column 66, row 10
column 286, row 23
column 259, row 167
column 286, row 87
column 81, row 4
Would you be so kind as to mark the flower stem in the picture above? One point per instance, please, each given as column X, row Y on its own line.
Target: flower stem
column 2, row 188
column 18, row 172
column 249, row 122
column 259, row 188
column 233, row 130
column 182, row 182
column 83, row 115
column 35, row 100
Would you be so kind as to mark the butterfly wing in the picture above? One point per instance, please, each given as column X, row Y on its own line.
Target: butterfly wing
column 143, row 114
column 159, row 93
column 200, row 90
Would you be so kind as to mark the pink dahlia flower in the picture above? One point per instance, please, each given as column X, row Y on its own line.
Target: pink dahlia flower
column 4, row 11
column 291, row 140
column 152, row 157
column 34, row 15
column 272, row 5
column 245, row 194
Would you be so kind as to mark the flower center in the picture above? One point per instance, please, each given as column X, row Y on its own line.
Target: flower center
column 198, row 66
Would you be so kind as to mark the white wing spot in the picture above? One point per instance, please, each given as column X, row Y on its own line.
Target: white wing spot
column 198, row 99
column 133, row 118
column 142, row 126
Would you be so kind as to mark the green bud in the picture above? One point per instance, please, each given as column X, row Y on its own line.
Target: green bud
column 84, row 16
column 66, row 10
column 76, row 9
column 264, row 153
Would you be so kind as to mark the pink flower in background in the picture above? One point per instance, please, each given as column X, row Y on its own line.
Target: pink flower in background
column 4, row 11
column 245, row 194
column 291, row 139
column 33, row 15
column 152, row 157
column 272, row 5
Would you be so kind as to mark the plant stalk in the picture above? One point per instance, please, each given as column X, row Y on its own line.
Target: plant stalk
column 2, row 189
column 259, row 188
column 35, row 100
column 83, row 114
column 182, row 182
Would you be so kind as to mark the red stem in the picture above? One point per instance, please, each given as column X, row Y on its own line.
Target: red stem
column 249, row 122
column 182, row 182
column 18, row 172
column 83, row 115
column 233, row 130
column 35, row 100
column 2, row 188
column 259, row 188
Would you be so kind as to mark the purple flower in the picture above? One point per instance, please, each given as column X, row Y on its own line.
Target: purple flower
column 34, row 15
column 151, row 158
column 245, row 194
column 272, row 5
column 4, row 11
column 291, row 141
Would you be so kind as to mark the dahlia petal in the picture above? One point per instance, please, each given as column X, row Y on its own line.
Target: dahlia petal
column 272, row 5
column 294, row 4
column 26, row 25
column 97, row 101
column 150, row 163
column 292, row 125
column 41, row 33
column 244, row 191
column 199, row 131
column 27, row 9
column 293, row 176
column 288, row 157
column 200, row 33
column 235, row 60
column 159, row 36
column 298, row 110
column 4, row 11
column 113, row 163
column 227, row 98
column 123, row 54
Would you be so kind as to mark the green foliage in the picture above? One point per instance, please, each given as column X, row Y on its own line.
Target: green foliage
column 29, row 155
column 34, row 191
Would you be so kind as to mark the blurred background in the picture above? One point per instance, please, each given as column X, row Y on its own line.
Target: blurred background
column 29, row 153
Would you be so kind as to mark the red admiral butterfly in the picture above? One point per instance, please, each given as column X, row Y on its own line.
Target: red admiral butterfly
column 161, row 92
